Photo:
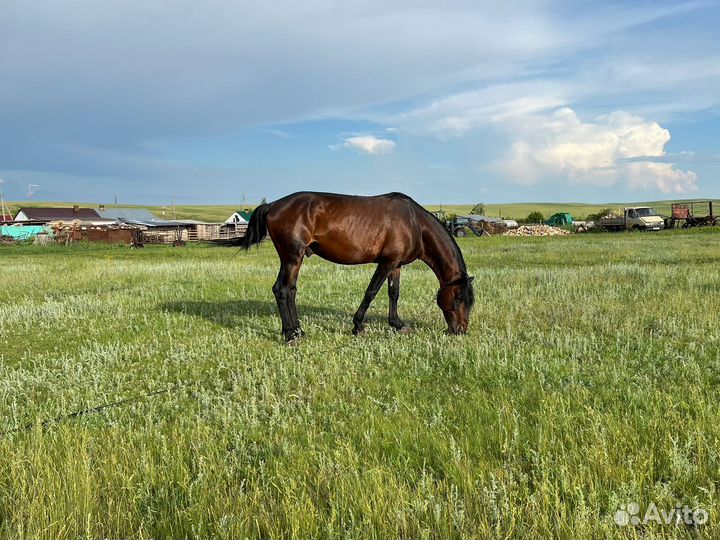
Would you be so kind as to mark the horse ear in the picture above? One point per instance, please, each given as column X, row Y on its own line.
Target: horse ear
column 471, row 279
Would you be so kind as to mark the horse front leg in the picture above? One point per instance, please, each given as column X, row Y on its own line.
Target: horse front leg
column 381, row 273
column 394, row 294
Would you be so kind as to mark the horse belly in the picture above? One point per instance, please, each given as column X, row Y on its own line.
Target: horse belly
column 344, row 251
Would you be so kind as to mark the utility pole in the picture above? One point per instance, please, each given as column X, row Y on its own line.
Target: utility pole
column 116, row 200
column 244, row 201
column 4, row 210
column 172, row 203
column 32, row 188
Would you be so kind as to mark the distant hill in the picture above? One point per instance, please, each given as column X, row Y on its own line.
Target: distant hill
column 509, row 211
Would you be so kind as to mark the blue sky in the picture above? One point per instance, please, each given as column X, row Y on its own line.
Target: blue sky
column 452, row 102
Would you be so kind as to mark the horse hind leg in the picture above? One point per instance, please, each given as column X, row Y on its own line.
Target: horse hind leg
column 284, row 290
column 394, row 293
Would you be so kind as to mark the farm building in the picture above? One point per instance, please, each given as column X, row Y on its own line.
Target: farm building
column 129, row 225
column 239, row 217
column 236, row 225
column 48, row 215
column 160, row 231
column 109, row 233
column 156, row 230
column 69, row 225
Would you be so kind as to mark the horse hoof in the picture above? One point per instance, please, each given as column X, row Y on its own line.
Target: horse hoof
column 405, row 330
column 294, row 342
column 358, row 331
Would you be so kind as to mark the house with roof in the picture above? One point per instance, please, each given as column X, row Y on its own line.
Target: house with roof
column 46, row 215
column 240, row 217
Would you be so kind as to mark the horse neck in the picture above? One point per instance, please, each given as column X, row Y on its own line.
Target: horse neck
column 441, row 253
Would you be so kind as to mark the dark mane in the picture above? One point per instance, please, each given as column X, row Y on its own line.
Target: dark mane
column 467, row 293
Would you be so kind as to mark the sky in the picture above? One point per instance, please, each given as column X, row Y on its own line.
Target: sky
column 220, row 102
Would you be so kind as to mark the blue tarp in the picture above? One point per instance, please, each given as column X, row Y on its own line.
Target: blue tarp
column 22, row 232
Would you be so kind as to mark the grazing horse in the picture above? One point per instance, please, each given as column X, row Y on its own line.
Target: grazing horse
column 390, row 230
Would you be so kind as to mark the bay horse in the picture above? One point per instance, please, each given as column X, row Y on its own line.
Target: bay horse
column 391, row 230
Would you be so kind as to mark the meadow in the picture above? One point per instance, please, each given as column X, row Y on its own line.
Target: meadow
column 519, row 211
column 588, row 380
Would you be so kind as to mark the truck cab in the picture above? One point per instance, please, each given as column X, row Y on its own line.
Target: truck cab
column 643, row 218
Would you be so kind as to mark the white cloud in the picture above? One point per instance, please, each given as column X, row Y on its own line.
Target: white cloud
column 369, row 144
column 661, row 176
column 458, row 114
column 618, row 147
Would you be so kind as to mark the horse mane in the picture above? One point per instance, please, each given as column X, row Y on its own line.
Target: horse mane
column 467, row 294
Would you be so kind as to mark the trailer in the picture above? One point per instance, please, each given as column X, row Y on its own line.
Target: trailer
column 692, row 214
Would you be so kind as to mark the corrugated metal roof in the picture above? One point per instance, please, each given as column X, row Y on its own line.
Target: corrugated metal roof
column 165, row 222
column 126, row 213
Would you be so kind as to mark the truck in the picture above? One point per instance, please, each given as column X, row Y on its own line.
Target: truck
column 637, row 218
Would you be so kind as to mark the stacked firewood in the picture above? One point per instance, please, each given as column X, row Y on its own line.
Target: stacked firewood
column 538, row 230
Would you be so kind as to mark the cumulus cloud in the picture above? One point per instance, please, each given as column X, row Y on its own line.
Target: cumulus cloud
column 546, row 139
column 369, row 144
column 456, row 115
column 618, row 147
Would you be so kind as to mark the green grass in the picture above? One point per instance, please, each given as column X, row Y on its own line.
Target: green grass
column 589, row 378
column 510, row 210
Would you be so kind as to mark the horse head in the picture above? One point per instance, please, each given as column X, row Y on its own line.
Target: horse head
column 456, row 299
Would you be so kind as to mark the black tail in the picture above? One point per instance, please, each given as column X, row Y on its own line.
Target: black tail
column 257, row 227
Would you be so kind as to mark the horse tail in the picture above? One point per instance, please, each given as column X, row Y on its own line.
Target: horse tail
column 257, row 226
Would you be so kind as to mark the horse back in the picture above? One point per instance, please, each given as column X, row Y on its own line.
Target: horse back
column 347, row 229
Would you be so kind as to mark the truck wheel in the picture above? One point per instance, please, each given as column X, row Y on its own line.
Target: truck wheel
column 460, row 233
column 636, row 228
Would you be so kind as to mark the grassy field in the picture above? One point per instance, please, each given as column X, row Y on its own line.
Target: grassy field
column 589, row 379
column 509, row 211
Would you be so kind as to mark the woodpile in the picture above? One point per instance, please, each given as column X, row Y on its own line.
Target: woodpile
column 494, row 227
column 538, row 230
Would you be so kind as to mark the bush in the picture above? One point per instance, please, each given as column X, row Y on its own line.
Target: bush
column 478, row 209
column 535, row 217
